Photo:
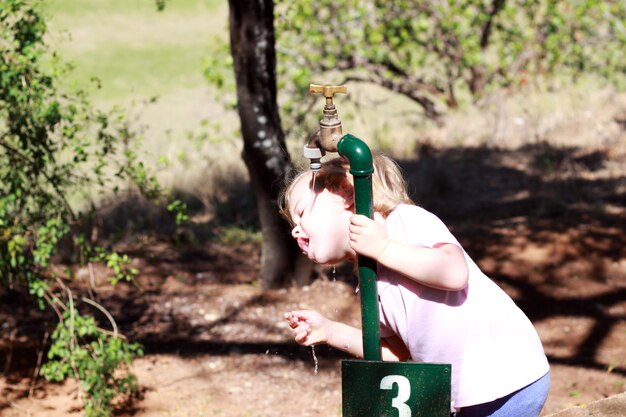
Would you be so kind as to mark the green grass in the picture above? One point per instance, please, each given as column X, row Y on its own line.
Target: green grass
column 83, row 7
column 147, row 71
column 133, row 49
column 138, row 53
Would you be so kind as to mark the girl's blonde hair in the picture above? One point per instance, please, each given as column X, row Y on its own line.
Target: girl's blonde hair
column 388, row 185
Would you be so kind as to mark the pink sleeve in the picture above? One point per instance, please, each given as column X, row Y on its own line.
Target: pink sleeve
column 416, row 226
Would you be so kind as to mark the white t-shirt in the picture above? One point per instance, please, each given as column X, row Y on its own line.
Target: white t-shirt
column 492, row 346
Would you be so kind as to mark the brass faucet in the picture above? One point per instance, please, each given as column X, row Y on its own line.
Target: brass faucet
column 325, row 139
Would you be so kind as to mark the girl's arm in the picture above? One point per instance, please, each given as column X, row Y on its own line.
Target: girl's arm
column 311, row 328
column 443, row 267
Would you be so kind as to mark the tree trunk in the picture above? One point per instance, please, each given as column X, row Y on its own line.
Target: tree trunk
column 264, row 152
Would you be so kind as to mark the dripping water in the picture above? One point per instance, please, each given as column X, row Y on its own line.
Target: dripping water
column 313, row 180
column 313, row 346
column 314, row 359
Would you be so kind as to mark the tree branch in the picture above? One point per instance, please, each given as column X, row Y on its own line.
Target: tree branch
column 496, row 7
column 410, row 88
column 105, row 312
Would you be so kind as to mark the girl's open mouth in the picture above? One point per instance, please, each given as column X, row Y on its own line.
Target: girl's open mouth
column 304, row 245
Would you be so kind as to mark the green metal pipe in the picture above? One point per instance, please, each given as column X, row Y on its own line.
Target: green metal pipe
column 361, row 167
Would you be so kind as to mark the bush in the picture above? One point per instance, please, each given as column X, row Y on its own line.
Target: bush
column 54, row 149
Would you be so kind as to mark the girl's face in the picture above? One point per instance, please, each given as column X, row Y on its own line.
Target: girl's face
column 321, row 221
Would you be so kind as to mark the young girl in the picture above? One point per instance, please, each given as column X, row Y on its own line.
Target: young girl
column 435, row 304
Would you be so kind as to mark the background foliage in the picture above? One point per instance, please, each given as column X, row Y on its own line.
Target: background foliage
column 441, row 54
column 55, row 148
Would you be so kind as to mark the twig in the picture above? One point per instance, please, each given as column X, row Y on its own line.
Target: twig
column 39, row 359
column 7, row 364
column 110, row 333
column 73, row 341
column 92, row 281
column 51, row 303
column 105, row 312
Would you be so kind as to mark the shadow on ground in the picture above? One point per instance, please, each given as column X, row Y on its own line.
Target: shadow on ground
column 546, row 223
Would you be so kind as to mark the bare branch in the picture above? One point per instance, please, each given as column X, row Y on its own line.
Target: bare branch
column 105, row 312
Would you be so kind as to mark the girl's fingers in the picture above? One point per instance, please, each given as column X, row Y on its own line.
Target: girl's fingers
column 302, row 334
column 288, row 317
column 300, row 337
column 292, row 319
column 358, row 219
column 356, row 223
column 300, row 328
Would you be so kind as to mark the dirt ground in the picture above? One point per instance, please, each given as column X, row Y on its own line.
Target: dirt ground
column 546, row 223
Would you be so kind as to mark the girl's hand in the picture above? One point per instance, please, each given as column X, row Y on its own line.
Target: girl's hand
column 368, row 237
column 308, row 327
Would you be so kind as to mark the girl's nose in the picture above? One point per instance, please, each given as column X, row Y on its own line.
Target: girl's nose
column 295, row 232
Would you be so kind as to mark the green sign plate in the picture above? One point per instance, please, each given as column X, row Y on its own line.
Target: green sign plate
column 395, row 389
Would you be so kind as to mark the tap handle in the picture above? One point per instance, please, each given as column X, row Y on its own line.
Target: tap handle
column 328, row 91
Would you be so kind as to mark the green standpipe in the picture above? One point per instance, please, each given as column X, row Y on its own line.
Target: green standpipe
column 361, row 167
column 371, row 387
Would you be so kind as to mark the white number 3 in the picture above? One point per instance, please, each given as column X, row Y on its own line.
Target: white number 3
column 404, row 392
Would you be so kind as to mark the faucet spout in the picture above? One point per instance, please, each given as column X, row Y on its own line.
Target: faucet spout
column 314, row 151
